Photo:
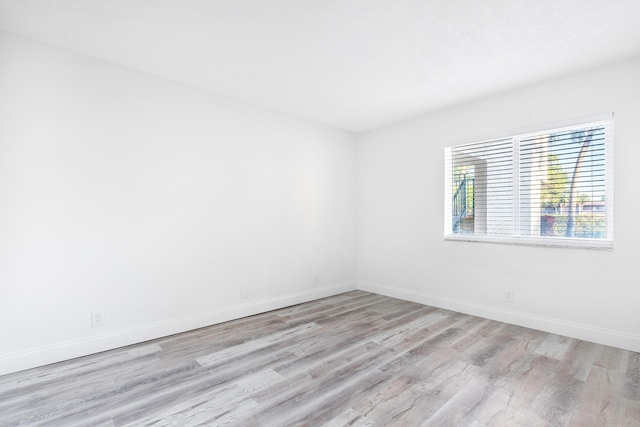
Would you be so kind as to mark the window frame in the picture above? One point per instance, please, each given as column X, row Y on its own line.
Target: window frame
column 547, row 241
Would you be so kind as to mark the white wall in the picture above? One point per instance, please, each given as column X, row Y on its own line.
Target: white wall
column 155, row 202
column 587, row 294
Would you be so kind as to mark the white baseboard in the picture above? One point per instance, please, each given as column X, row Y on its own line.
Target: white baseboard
column 77, row 348
column 555, row 326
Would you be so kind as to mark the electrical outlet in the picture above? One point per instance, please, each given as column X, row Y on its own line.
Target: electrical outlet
column 316, row 279
column 97, row 318
column 508, row 295
column 244, row 292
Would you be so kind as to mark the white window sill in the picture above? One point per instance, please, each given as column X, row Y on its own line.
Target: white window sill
column 556, row 242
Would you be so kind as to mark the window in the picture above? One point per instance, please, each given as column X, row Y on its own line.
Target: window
column 551, row 188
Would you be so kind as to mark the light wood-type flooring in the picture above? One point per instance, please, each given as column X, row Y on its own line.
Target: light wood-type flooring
column 356, row 359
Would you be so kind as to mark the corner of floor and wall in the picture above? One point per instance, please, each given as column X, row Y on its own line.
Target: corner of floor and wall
column 134, row 207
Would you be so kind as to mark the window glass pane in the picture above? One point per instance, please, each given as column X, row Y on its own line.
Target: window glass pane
column 563, row 185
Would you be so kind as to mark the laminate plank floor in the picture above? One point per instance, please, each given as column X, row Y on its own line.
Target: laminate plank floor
column 356, row 359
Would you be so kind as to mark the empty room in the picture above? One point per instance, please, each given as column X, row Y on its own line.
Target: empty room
column 319, row 213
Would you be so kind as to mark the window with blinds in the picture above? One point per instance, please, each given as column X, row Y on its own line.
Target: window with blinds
column 553, row 187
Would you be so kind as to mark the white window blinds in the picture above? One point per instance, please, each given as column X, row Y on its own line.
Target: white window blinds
column 553, row 187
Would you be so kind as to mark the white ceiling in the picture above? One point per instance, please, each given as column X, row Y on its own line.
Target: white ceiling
column 353, row 64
